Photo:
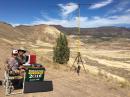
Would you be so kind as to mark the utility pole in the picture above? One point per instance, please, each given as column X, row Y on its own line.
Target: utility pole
column 78, row 58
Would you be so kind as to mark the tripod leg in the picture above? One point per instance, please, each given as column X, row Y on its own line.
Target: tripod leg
column 73, row 63
column 83, row 64
column 78, row 69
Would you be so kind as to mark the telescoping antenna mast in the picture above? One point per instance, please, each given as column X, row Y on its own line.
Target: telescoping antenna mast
column 78, row 60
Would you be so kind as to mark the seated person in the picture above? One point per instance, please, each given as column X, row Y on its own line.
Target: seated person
column 21, row 58
column 12, row 63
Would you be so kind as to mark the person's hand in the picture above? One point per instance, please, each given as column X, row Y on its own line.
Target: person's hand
column 17, row 71
column 21, row 67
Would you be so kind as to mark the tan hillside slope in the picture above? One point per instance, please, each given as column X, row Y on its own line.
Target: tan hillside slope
column 24, row 33
column 8, row 31
column 8, row 35
column 45, row 33
column 39, row 32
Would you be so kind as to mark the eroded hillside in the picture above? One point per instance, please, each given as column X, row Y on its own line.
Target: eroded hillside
column 106, row 60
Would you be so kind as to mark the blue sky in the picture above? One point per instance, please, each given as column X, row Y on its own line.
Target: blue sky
column 64, row 12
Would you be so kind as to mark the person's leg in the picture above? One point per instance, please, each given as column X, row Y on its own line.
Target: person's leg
column 20, row 83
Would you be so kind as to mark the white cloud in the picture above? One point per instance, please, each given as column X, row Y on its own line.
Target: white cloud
column 68, row 8
column 63, row 22
column 119, row 7
column 86, row 22
column 109, row 21
column 14, row 25
column 128, row 10
column 100, row 4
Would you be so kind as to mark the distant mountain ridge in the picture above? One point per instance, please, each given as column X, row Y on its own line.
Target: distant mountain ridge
column 109, row 31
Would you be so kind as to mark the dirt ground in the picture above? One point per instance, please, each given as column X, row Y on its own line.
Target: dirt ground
column 69, row 84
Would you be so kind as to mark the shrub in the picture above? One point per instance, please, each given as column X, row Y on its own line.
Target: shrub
column 61, row 52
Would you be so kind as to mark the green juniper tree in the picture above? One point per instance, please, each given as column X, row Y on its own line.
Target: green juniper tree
column 61, row 50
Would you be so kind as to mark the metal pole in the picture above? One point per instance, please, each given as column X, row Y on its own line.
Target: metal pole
column 78, row 27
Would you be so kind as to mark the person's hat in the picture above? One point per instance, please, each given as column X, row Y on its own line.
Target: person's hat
column 22, row 49
column 15, row 52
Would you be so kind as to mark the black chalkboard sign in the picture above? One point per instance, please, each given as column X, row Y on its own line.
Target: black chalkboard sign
column 32, row 87
column 34, row 75
column 34, row 81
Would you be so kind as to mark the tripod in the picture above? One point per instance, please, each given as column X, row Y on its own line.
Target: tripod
column 79, row 60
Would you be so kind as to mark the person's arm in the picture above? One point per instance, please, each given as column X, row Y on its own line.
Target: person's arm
column 24, row 59
column 12, row 63
column 6, row 66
